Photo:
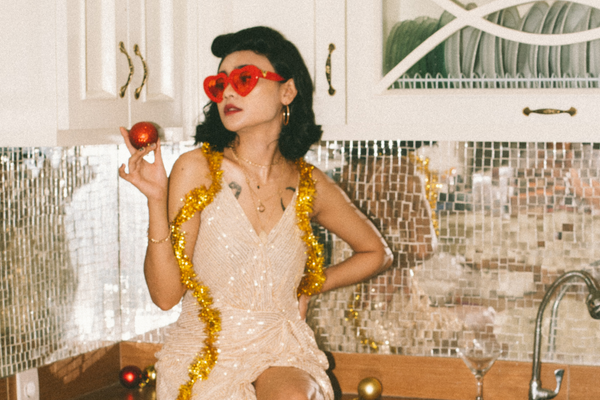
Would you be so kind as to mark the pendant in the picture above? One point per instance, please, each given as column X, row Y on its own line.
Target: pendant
column 263, row 236
column 261, row 207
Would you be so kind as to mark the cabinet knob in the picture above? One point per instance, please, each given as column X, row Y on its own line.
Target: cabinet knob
column 138, row 53
column 328, row 69
column 124, row 87
column 550, row 111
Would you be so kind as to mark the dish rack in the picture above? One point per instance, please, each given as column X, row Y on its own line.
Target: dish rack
column 550, row 45
column 497, row 82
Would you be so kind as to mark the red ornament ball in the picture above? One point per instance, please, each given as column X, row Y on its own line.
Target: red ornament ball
column 130, row 376
column 142, row 134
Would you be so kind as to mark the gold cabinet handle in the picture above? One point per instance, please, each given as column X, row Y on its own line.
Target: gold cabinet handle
column 550, row 111
column 328, row 69
column 136, row 50
column 124, row 87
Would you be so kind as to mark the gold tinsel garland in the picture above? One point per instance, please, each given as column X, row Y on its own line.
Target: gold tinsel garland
column 314, row 275
column 196, row 201
column 431, row 187
column 354, row 315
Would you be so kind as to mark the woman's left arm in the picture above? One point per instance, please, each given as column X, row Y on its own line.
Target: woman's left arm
column 334, row 211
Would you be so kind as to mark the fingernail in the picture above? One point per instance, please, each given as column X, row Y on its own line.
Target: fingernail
column 141, row 149
column 152, row 145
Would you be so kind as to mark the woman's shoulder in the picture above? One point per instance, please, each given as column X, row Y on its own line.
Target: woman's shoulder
column 191, row 170
column 327, row 191
column 320, row 178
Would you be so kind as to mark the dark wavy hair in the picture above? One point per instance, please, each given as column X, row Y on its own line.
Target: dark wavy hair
column 301, row 133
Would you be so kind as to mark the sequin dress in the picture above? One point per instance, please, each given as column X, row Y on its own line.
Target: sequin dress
column 253, row 280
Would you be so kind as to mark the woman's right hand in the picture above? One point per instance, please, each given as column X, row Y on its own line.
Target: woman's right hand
column 150, row 178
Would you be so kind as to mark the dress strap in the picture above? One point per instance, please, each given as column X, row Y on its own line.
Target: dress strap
column 196, row 201
column 314, row 275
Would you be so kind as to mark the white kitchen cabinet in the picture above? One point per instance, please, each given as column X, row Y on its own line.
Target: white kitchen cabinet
column 64, row 79
column 376, row 111
column 311, row 25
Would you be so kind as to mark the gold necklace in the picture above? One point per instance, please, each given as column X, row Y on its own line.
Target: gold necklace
column 260, row 207
column 238, row 158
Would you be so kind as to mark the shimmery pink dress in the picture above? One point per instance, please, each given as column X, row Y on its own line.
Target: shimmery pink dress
column 253, row 281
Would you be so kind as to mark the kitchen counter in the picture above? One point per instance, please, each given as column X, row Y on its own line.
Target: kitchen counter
column 118, row 392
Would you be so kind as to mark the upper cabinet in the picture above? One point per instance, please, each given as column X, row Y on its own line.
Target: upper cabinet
column 497, row 70
column 486, row 70
column 79, row 69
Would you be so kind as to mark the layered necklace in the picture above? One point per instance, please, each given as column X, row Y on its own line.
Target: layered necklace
column 259, row 204
column 260, row 207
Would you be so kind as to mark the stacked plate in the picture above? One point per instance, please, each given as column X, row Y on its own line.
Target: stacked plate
column 472, row 53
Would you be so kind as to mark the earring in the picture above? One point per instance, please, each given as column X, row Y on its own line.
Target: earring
column 286, row 115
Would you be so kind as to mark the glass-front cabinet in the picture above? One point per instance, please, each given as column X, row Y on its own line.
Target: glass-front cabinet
column 497, row 70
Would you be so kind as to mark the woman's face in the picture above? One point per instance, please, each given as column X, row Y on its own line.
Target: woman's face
column 261, row 108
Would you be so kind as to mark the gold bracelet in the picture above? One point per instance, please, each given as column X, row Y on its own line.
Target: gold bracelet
column 158, row 241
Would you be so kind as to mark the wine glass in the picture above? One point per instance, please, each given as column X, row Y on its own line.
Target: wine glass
column 480, row 355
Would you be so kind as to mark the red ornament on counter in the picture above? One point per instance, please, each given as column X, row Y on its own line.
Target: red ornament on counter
column 130, row 376
column 142, row 134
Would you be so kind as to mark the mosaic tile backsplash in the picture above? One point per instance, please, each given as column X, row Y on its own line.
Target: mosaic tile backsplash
column 479, row 231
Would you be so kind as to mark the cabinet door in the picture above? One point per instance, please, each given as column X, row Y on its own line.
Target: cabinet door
column 311, row 25
column 156, row 43
column 91, row 68
column 330, row 66
column 295, row 20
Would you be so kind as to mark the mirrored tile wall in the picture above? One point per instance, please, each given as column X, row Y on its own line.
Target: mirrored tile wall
column 59, row 254
column 478, row 230
column 71, row 252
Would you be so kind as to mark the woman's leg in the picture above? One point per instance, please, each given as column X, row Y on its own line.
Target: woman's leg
column 287, row 383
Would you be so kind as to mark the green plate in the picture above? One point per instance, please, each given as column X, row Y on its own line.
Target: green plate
column 388, row 56
column 412, row 41
column 428, row 29
column 436, row 58
column 400, row 39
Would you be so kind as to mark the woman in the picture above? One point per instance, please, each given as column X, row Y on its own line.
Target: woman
column 251, row 241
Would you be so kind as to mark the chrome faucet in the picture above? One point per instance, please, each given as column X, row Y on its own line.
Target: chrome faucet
column 536, row 392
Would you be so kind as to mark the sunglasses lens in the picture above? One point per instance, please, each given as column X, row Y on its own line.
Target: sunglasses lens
column 243, row 81
column 218, row 87
column 214, row 87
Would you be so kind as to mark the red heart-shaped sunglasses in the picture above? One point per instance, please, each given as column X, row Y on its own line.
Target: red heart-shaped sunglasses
column 242, row 80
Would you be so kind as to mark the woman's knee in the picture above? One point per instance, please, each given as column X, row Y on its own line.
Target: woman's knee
column 283, row 383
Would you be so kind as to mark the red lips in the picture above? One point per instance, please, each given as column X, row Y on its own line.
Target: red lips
column 230, row 109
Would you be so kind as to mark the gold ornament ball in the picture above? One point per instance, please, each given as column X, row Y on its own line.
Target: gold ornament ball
column 148, row 376
column 369, row 389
